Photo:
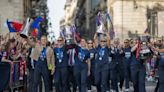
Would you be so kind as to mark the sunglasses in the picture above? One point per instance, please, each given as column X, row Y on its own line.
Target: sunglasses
column 90, row 43
column 103, row 41
column 125, row 42
column 60, row 40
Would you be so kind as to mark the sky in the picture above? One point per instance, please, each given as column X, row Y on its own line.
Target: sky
column 56, row 13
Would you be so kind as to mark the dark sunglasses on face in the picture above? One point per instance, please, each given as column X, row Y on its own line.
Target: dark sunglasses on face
column 125, row 42
column 103, row 41
column 90, row 43
column 60, row 40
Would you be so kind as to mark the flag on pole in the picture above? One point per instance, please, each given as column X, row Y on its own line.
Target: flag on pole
column 36, row 26
column 63, row 33
column 36, row 22
column 14, row 26
column 146, row 30
column 112, row 33
column 74, row 32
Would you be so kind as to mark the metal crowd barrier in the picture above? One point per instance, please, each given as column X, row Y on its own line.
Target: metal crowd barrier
column 16, row 74
column 4, row 76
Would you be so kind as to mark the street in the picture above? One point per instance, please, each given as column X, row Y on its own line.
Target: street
column 69, row 45
column 150, row 86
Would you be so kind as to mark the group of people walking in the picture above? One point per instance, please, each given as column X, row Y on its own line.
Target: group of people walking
column 77, row 66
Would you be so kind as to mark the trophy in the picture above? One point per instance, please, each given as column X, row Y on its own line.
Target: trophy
column 102, row 23
column 145, row 52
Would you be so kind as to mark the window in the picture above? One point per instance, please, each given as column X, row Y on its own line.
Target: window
column 94, row 3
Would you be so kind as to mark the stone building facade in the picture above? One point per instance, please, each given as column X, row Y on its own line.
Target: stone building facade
column 11, row 9
column 18, row 10
column 132, row 17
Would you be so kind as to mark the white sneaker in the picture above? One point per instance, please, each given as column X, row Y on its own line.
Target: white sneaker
column 112, row 90
column 126, row 90
column 89, row 90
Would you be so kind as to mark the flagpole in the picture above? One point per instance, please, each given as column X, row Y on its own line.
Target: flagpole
column 9, row 35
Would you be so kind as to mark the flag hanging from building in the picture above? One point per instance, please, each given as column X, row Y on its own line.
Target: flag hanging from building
column 14, row 26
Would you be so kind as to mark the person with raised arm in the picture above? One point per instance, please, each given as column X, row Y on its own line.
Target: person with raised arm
column 102, row 62
column 141, row 52
column 116, row 66
column 44, row 57
column 82, row 65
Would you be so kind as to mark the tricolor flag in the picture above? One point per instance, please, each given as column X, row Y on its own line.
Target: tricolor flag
column 14, row 26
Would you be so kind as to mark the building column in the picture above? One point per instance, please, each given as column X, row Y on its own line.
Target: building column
column 88, row 8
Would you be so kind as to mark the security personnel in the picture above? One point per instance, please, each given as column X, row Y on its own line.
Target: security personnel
column 102, row 62
column 44, row 57
column 92, row 51
column 82, row 65
column 61, row 62
column 127, row 60
column 116, row 65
